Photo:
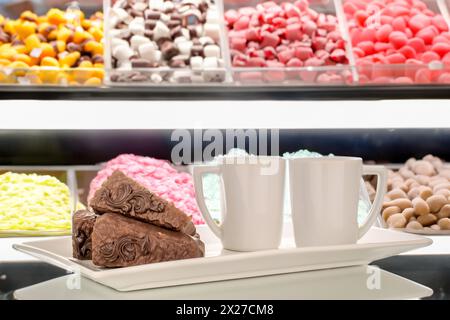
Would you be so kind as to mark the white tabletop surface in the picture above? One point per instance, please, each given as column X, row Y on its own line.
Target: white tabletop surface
column 341, row 283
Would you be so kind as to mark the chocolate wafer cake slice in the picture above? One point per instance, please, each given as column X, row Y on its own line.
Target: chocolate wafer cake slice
column 121, row 194
column 118, row 241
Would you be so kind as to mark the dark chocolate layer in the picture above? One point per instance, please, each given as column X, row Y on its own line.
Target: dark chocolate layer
column 82, row 227
column 120, row 194
column 118, row 241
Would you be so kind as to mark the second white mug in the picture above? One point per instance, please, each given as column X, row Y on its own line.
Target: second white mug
column 324, row 199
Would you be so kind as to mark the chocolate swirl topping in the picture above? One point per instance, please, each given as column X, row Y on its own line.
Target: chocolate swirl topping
column 126, row 248
column 125, row 199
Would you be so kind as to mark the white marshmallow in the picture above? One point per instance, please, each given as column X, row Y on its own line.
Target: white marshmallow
column 147, row 51
column 157, row 5
column 185, row 47
column 138, row 40
column 164, row 18
column 178, row 40
column 168, row 6
column 128, row 19
column 199, row 29
column 156, row 78
column 161, row 30
column 120, row 13
column 196, row 62
column 137, row 26
column 113, row 21
column 212, row 16
column 124, row 65
column 114, row 33
column 140, row 6
column 210, row 62
column 212, row 50
column 119, row 4
column 122, row 52
column 212, row 30
column 185, row 32
column 206, row 40
column 118, row 42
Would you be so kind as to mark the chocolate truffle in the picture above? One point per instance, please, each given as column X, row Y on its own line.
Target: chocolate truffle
column 121, row 194
column 82, row 227
column 118, row 241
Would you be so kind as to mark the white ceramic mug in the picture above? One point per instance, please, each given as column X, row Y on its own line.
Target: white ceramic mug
column 324, row 199
column 252, row 190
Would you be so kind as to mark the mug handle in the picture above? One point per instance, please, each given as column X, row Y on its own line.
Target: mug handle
column 198, row 172
column 381, row 173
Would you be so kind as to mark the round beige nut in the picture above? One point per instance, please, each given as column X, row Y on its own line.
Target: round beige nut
column 413, row 185
column 396, row 221
column 414, row 193
column 410, row 162
column 412, row 219
column 444, row 212
column 445, row 173
column 406, row 173
column 443, row 192
column 414, row 225
column 423, row 180
column 425, row 193
column 444, row 223
column 396, row 194
column 444, row 185
column 398, row 185
column 420, row 206
column 389, row 211
column 436, row 202
column 408, row 213
column 410, row 181
column 423, row 167
column 404, row 187
column 435, row 161
column 436, row 181
column 427, row 219
column 401, row 203
column 435, row 227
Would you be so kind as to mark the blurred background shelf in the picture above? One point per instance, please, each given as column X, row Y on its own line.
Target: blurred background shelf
column 228, row 92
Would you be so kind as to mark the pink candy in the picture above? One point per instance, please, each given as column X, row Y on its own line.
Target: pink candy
column 397, row 32
column 158, row 176
column 287, row 34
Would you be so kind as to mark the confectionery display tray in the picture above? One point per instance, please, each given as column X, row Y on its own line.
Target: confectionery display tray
column 426, row 232
column 348, row 74
column 219, row 264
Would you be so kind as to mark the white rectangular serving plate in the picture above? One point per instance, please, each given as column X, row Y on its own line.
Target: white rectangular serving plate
column 219, row 264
